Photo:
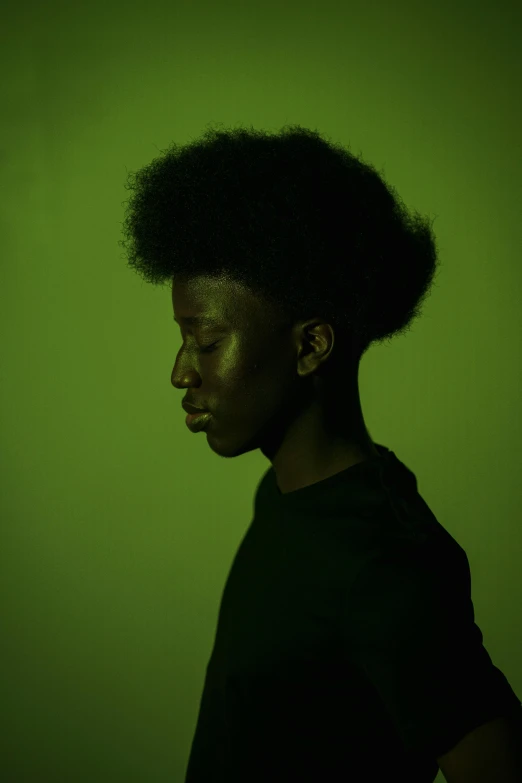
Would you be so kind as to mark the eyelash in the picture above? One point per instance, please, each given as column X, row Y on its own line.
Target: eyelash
column 208, row 348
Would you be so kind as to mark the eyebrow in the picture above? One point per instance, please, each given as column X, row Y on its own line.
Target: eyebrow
column 197, row 320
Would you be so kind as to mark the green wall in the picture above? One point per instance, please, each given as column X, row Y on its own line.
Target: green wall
column 118, row 526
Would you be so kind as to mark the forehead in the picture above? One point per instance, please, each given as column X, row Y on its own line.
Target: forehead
column 205, row 301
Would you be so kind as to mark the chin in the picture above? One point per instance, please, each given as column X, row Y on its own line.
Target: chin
column 230, row 447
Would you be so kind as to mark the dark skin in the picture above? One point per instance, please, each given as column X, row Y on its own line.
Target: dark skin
column 282, row 389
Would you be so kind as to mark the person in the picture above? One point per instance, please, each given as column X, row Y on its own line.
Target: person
column 346, row 646
column 304, row 257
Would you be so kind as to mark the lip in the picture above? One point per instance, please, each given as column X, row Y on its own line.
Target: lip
column 188, row 408
column 198, row 421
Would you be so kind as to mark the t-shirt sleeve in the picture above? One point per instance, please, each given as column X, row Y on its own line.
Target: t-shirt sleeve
column 408, row 623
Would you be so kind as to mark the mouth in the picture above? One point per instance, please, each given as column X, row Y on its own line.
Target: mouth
column 188, row 408
column 196, row 421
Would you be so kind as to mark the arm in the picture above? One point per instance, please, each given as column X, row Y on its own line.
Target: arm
column 492, row 753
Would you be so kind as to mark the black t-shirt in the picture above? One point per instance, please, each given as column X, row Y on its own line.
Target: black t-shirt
column 346, row 647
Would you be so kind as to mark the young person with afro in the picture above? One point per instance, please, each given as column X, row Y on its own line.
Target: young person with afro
column 346, row 647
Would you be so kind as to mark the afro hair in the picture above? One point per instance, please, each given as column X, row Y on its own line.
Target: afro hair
column 298, row 220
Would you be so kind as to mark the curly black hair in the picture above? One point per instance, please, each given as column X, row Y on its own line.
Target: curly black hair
column 299, row 221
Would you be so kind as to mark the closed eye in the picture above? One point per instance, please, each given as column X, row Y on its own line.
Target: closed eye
column 209, row 348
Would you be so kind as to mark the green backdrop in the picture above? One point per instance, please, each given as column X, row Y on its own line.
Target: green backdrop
column 118, row 526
